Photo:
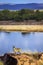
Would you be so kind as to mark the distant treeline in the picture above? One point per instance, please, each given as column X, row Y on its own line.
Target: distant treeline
column 21, row 15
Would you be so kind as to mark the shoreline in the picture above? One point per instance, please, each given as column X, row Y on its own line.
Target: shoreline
column 25, row 22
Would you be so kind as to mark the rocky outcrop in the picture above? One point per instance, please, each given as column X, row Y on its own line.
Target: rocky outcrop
column 8, row 60
column 23, row 59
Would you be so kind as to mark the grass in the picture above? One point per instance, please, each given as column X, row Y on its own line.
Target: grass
column 1, row 63
column 22, row 28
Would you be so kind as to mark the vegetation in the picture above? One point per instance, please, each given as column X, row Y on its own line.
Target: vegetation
column 40, row 63
column 21, row 15
column 1, row 63
column 36, row 55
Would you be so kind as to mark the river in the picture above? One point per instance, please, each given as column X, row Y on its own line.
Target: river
column 28, row 42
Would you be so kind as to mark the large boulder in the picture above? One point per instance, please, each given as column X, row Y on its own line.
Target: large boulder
column 9, row 60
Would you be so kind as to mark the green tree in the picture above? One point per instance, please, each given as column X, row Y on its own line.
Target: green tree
column 5, row 14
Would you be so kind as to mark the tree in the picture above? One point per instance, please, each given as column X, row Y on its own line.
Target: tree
column 5, row 14
column 21, row 15
column 21, row 12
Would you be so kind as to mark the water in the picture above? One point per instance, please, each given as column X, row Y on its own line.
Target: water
column 28, row 42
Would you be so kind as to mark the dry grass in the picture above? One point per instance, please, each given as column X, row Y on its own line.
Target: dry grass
column 22, row 28
column 1, row 63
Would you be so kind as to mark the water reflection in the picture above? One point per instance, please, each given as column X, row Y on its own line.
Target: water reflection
column 30, row 42
column 25, row 33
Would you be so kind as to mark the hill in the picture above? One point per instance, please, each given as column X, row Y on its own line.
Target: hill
column 22, row 6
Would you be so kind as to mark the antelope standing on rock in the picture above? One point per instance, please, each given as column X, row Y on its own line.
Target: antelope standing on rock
column 16, row 50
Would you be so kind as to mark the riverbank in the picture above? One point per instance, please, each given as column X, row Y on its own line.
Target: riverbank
column 25, row 22
column 22, row 28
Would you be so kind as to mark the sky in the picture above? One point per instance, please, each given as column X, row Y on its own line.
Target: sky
column 29, row 42
column 21, row 1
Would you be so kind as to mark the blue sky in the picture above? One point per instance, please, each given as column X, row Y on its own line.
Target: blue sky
column 28, row 42
column 21, row 1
